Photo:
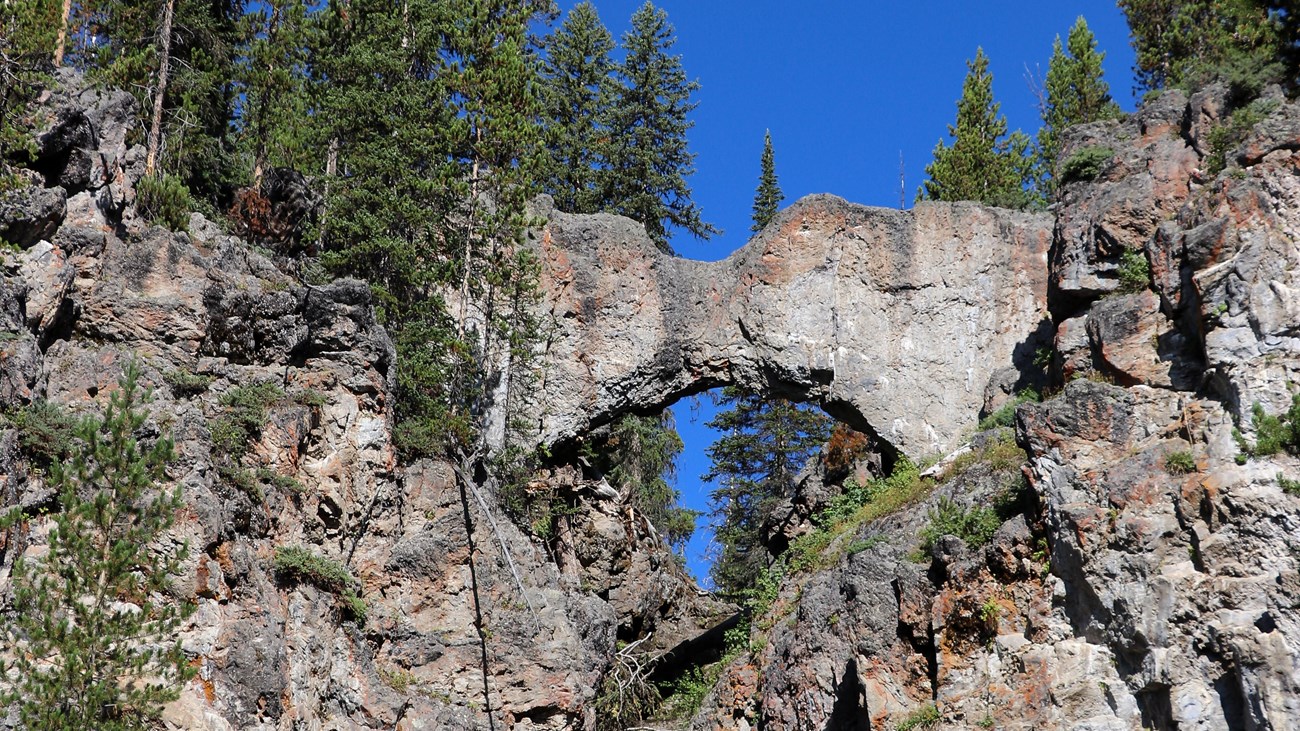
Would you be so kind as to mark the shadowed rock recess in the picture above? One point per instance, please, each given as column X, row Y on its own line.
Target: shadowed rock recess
column 1110, row 558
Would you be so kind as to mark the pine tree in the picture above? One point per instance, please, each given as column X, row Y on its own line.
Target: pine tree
column 94, row 643
column 1074, row 93
column 765, row 443
column 1188, row 42
column 1287, row 20
column 983, row 163
column 24, row 53
column 393, row 190
column 638, row 458
column 649, row 160
column 575, row 97
column 427, row 192
column 271, row 77
column 768, row 197
column 27, row 41
column 178, row 59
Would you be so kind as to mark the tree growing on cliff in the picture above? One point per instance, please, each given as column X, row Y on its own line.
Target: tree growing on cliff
column 27, row 39
column 271, row 76
column 93, row 643
column 1074, row 93
column 765, row 443
column 178, row 59
column 576, row 96
column 638, row 458
column 768, row 197
column 983, row 163
column 1189, row 42
column 649, row 160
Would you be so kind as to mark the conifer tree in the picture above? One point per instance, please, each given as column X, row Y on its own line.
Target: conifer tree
column 649, row 160
column 575, row 97
column 768, row 197
column 638, row 458
column 1187, row 42
column 393, row 188
column 1074, row 93
column 765, row 443
column 271, row 76
column 983, row 163
column 178, row 59
column 27, row 37
column 94, row 643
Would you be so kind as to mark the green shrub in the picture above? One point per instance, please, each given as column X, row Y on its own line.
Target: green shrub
column 244, row 412
column 46, row 431
column 1006, row 415
column 1273, row 434
column 184, row 383
column 310, row 397
column 283, row 482
column 296, row 563
column 1228, row 135
column 1289, row 486
column 925, row 717
column 1134, row 271
column 854, row 496
column 975, row 526
column 303, row 564
column 1044, row 355
column 998, row 454
column 1180, row 463
column 990, row 611
column 1086, row 163
column 242, row 480
column 866, row 544
column 686, row 692
column 164, row 199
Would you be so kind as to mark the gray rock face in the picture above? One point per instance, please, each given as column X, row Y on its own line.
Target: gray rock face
column 1122, row 591
column 1153, row 580
column 30, row 214
column 893, row 321
column 447, row 580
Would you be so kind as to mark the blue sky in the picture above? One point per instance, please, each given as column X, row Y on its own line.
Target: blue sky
column 845, row 86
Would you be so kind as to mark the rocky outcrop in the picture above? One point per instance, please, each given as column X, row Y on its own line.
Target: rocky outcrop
column 893, row 321
column 1151, row 581
column 470, row 621
column 1144, row 572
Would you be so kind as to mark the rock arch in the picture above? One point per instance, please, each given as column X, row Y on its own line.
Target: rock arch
column 893, row 321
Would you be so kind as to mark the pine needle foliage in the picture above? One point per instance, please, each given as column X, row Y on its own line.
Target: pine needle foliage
column 1185, row 43
column 983, row 163
column 27, row 31
column 576, row 99
column 1074, row 93
column 768, row 197
column 93, row 641
column 765, row 442
column 649, row 159
column 638, row 458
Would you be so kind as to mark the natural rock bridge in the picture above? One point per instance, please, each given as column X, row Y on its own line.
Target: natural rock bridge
column 892, row 321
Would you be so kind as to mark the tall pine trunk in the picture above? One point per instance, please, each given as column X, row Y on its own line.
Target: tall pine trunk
column 264, row 104
column 164, row 65
column 61, row 45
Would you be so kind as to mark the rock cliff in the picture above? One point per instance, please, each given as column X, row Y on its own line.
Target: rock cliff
column 1151, row 580
column 1131, row 567
column 894, row 321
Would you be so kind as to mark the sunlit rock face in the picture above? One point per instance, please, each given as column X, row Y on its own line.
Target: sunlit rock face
column 895, row 321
